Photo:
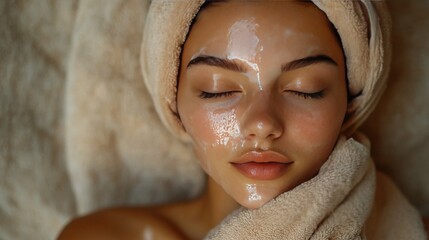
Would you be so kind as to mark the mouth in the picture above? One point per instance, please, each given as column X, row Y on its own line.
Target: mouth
column 267, row 165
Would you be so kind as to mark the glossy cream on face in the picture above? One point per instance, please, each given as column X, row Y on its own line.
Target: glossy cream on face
column 253, row 193
column 226, row 126
column 216, row 79
column 262, row 113
column 244, row 45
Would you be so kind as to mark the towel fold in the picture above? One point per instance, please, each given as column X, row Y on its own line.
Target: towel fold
column 335, row 204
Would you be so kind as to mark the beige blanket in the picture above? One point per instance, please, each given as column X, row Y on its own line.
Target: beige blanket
column 333, row 205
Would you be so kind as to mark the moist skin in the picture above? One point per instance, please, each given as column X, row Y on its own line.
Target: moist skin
column 267, row 78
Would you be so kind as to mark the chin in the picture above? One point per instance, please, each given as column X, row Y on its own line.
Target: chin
column 255, row 201
column 253, row 204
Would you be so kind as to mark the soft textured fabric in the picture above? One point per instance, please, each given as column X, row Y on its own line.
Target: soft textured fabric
column 333, row 205
column 363, row 26
column 110, row 125
column 36, row 197
column 364, row 29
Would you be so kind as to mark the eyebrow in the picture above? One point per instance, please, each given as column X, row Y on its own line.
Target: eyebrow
column 217, row 62
column 234, row 66
column 303, row 62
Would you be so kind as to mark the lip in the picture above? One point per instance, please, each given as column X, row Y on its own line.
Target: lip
column 265, row 165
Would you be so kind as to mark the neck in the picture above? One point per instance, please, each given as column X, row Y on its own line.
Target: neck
column 217, row 203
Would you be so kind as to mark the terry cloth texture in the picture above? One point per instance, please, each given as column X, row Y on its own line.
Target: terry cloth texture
column 333, row 205
column 112, row 130
column 363, row 26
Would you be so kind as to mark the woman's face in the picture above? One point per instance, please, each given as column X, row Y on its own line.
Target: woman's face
column 262, row 93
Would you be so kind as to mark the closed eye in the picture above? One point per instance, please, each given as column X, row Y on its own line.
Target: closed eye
column 315, row 95
column 208, row 95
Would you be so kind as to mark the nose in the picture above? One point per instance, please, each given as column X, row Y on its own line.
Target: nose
column 261, row 120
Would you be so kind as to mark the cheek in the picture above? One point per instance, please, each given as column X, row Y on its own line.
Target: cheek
column 225, row 126
column 316, row 129
column 195, row 125
column 210, row 128
column 214, row 133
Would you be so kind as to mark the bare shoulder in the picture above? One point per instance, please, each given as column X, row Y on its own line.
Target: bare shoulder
column 121, row 223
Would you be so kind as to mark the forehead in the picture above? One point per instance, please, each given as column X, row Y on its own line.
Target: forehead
column 278, row 23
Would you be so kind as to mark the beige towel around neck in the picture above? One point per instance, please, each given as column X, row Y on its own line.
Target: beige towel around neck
column 335, row 204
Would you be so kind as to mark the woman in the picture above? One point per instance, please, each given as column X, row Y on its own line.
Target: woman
column 270, row 108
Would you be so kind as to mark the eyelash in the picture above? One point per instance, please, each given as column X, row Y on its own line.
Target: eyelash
column 316, row 95
column 206, row 95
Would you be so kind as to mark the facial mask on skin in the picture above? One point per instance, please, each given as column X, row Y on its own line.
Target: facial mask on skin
column 216, row 78
column 244, row 45
column 253, row 194
column 233, row 113
column 225, row 125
